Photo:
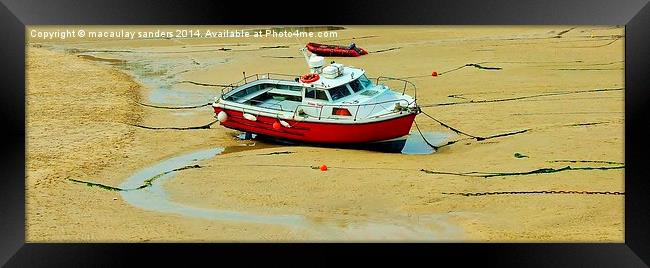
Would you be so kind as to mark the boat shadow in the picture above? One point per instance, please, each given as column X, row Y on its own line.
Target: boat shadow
column 410, row 144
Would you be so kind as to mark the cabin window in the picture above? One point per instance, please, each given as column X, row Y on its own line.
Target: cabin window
column 356, row 85
column 365, row 82
column 315, row 94
column 310, row 93
column 360, row 84
column 339, row 92
column 321, row 95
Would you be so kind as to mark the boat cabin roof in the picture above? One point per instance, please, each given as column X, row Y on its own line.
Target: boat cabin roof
column 348, row 75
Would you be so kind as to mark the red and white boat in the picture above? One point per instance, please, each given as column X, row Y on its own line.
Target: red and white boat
column 335, row 50
column 335, row 104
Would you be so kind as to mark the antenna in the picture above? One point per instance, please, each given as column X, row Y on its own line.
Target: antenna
column 306, row 54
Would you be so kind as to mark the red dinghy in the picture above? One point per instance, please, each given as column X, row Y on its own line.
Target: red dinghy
column 334, row 50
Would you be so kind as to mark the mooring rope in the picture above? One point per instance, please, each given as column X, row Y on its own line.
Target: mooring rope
column 450, row 127
column 521, row 97
column 423, row 138
column 476, row 65
column 531, row 172
column 206, row 126
column 202, row 84
column 173, row 107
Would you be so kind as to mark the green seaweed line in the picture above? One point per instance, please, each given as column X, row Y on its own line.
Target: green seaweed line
column 503, row 174
column 147, row 183
column 94, row 184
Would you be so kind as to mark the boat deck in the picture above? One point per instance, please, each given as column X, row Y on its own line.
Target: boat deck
column 284, row 105
column 272, row 97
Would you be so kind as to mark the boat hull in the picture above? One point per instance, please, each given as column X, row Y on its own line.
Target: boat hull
column 318, row 132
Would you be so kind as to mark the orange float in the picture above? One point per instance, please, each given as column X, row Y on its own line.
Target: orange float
column 309, row 78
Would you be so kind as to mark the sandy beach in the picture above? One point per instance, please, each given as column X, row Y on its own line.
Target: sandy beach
column 107, row 111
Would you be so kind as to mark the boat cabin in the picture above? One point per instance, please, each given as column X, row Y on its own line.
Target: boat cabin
column 339, row 93
column 288, row 95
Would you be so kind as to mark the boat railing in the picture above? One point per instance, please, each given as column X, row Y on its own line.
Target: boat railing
column 272, row 104
column 397, row 83
column 391, row 82
column 252, row 78
column 351, row 108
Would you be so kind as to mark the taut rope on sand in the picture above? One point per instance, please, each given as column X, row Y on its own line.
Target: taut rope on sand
column 173, row 107
column 206, row 126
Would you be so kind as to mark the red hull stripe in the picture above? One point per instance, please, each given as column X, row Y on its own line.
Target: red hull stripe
column 321, row 132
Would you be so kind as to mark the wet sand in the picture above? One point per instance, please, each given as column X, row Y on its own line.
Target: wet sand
column 84, row 101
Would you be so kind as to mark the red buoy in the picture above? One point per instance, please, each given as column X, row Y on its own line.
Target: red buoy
column 323, row 167
column 276, row 125
column 434, row 74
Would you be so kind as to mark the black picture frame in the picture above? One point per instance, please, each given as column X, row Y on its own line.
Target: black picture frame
column 634, row 14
